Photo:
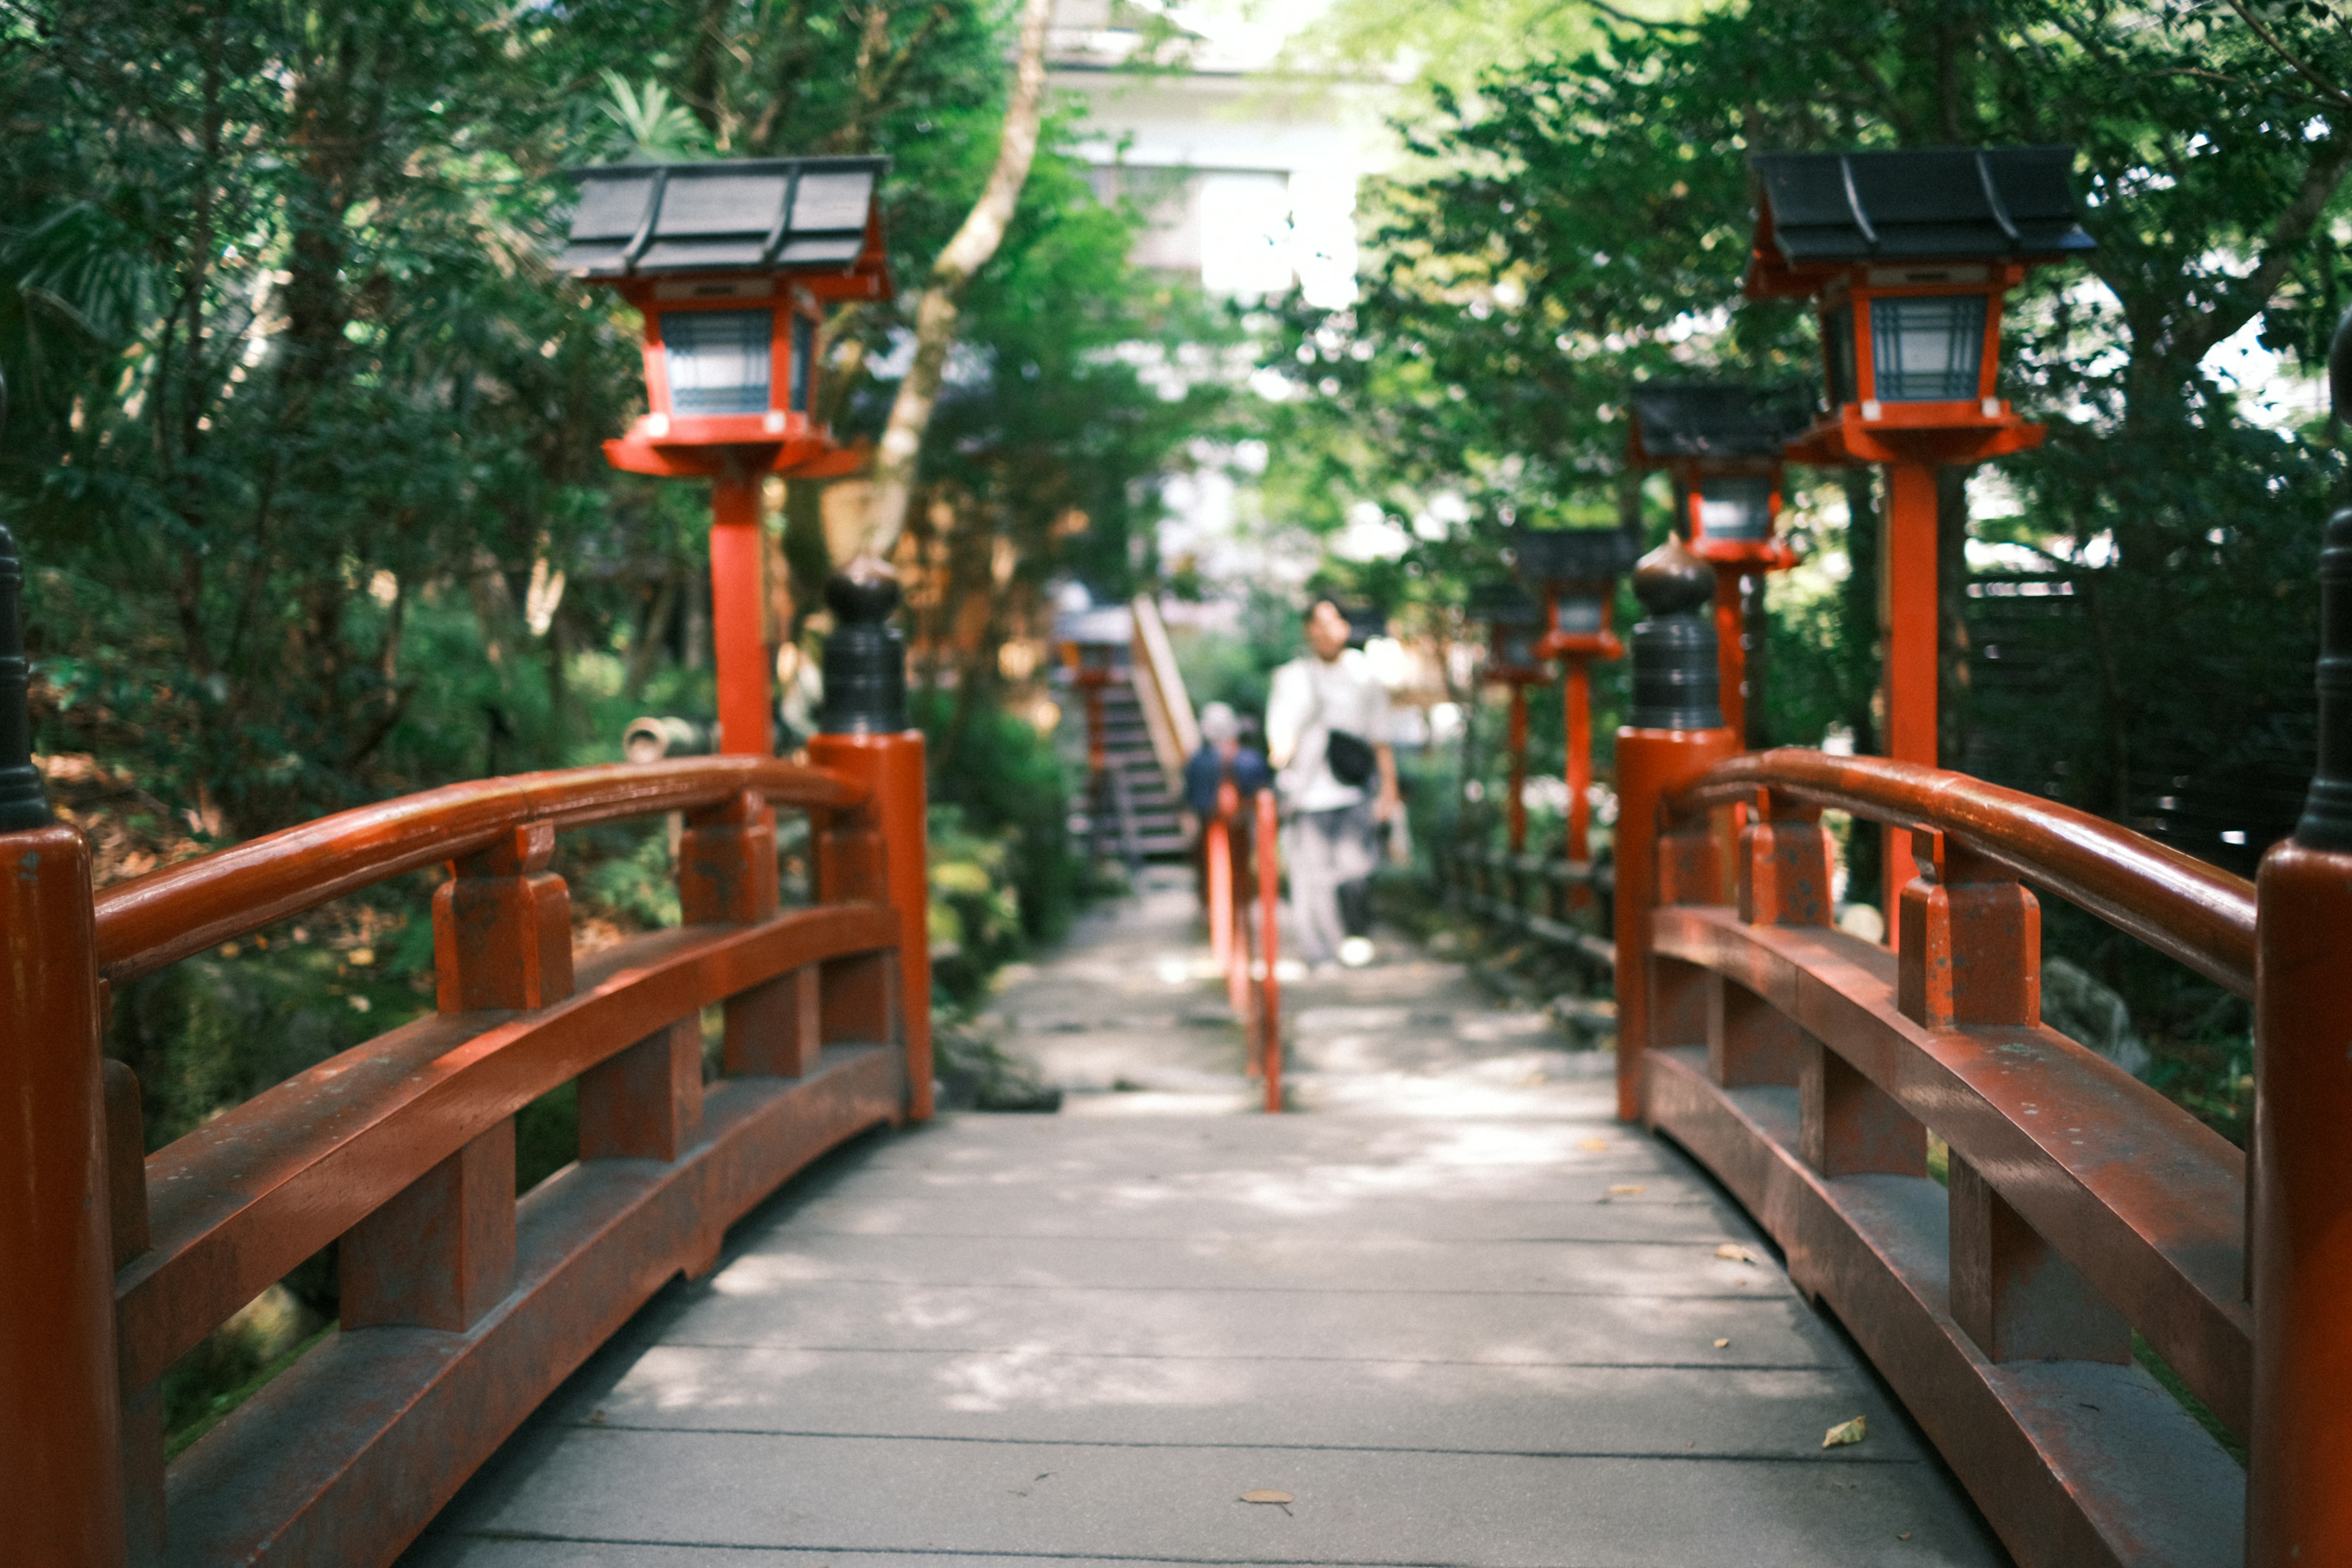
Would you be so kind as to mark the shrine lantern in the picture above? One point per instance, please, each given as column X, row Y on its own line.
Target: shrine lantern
column 1721, row 443
column 1909, row 257
column 730, row 266
column 1574, row 571
column 1514, row 631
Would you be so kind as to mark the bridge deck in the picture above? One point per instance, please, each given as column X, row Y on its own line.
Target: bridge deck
column 1454, row 1310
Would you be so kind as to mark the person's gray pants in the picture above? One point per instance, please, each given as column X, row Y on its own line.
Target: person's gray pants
column 1330, row 855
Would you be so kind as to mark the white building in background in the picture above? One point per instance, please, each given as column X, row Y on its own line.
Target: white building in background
column 1251, row 178
column 1251, row 174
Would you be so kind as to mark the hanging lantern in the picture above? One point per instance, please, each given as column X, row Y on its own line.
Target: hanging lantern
column 1515, row 632
column 1722, row 443
column 1907, row 256
column 1575, row 570
column 731, row 264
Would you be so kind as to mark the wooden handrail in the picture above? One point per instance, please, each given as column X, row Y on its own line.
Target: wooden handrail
column 2182, row 907
column 1167, row 707
column 154, row 920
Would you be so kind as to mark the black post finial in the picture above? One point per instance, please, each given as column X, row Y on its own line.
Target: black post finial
column 2326, row 822
column 24, row 802
column 866, row 658
column 1676, row 683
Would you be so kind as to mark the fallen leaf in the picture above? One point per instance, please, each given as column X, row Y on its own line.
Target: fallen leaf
column 1267, row 1496
column 1902, row 1535
column 1626, row 1189
column 1723, row 1344
column 1845, row 1431
column 1593, row 1145
column 1734, row 1251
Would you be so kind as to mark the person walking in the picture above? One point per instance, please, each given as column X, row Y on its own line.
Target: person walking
column 1326, row 732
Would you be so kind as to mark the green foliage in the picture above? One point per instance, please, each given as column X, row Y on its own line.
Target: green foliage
column 1001, row 815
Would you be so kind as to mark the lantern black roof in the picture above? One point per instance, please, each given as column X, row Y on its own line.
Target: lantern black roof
column 1499, row 602
column 1573, row 555
column 1939, row 203
column 768, row 215
column 1717, row 419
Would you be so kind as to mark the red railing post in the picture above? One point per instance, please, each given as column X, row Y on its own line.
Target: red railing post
column 2298, row 1506
column 865, row 735
column 1674, row 733
column 1269, row 896
column 61, row 1478
column 740, row 651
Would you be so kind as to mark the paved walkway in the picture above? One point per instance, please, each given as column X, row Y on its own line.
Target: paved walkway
column 1453, row 1313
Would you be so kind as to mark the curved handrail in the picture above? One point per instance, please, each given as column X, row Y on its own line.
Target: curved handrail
column 157, row 919
column 2176, row 903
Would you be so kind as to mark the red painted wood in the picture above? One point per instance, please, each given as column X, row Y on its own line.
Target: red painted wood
column 2016, row 1296
column 1749, row 1040
column 345, row 1456
column 1971, row 944
column 2134, row 1191
column 61, row 1485
column 890, row 768
column 1848, row 1126
column 1913, row 631
column 727, row 861
column 158, row 918
column 240, row 1201
column 2179, row 905
column 2300, row 1506
column 2076, row 1464
column 646, row 1103
column 1652, row 766
column 776, row 1029
column 1576, row 700
column 502, row 927
column 441, row 1254
column 740, row 651
column 1267, row 847
column 1515, row 804
column 1785, row 860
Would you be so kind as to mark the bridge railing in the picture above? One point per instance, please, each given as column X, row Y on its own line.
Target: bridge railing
column 1540, row 896
column 1240, row 846
column 462, row 1305
column 1809, row 1069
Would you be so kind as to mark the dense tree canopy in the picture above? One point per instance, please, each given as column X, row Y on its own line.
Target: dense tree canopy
column 305, row 450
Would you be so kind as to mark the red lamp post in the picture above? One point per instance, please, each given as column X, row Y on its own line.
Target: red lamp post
column 1576, row 570
column 730, row 265
column 1722, row 445
column 1514, row 658
column 1907, row 256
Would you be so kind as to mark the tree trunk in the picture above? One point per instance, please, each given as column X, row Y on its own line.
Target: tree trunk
column 936, row 312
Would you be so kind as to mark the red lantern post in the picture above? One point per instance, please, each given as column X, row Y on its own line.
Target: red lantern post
column 1576, row 570
column 1722, row 444
column 1907, row 256
column 1514, row 659
column 731, row 264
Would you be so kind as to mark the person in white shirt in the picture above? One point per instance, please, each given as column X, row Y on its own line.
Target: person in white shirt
column 1327, row 731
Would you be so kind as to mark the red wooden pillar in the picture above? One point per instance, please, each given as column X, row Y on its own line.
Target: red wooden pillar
column 1269, row 894
column 2299, row 1237
column 740, row 651
column 1575, row 686
column 1675, row 731
column 1912, row 624
column 61, row 1480
column 1731, row 651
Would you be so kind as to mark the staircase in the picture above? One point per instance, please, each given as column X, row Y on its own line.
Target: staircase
column 1143, row 818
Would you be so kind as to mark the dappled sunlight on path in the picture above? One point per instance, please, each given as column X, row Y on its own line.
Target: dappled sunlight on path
column 1450, row 1309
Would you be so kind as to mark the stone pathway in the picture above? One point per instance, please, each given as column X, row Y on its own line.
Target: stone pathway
column 1450, row 1313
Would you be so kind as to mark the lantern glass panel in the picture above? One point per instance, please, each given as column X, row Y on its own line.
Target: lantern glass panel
column 1736, row 506
column 1837, row 350
column 1928, row 349
column 1576, row 612
column 717, row 360
column 803, row 353
column 1515, row 647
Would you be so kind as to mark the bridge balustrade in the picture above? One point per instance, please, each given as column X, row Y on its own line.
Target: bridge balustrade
column 1807, row 1068
column 462, row 1305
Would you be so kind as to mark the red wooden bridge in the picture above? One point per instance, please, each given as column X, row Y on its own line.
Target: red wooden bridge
column 1805, row 1068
